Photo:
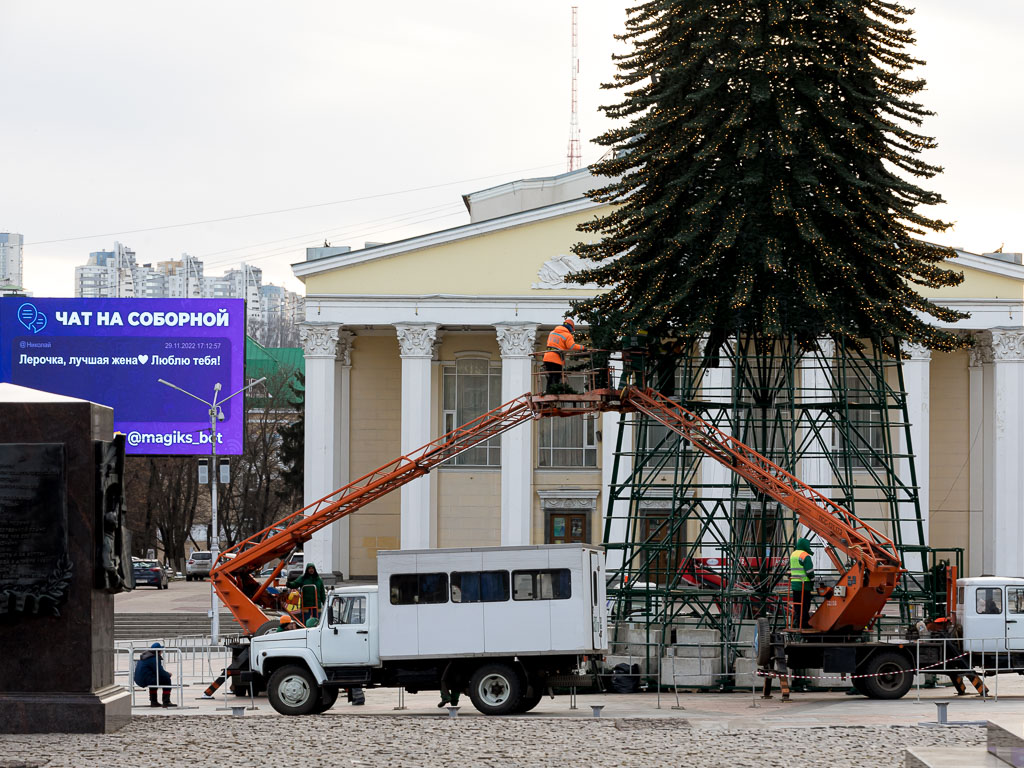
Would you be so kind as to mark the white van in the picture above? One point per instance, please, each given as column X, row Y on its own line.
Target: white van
column 503, row 624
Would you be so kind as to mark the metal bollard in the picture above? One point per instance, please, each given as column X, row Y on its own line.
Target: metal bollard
column 940, row 717
column 453, row 712
column 597, row 709
column 238, row 711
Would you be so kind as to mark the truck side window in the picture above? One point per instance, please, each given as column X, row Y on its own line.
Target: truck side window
column 348, row 610
column 480, row 587
column 1015, row 599
column 989, row 600
column 553, row 584
column 419, row 588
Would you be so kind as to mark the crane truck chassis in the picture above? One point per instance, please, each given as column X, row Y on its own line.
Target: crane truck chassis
column 866, row 560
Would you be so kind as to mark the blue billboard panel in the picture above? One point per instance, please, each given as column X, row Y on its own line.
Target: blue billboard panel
column 115, row 351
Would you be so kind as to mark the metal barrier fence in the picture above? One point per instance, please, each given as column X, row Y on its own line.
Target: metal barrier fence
column 196, row 662
column 956, row 657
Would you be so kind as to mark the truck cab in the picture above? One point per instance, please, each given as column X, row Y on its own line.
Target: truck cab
column 990, row 613
column 349, row 636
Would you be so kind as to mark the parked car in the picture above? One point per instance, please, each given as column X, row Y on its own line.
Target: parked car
column 149, row 573
column 198, row 565
column 294, row 568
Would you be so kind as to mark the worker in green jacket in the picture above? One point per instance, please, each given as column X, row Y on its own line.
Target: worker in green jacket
column 801, row 581
column 311, row 588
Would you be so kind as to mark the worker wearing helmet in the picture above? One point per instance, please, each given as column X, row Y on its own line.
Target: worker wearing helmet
column 287, row 623
column 560, row 341
column 801, row 579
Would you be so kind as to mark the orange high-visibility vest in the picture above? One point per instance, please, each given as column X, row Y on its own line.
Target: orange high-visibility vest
column 560, row 341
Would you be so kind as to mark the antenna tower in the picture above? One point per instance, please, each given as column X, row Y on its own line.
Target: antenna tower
column 574, row 157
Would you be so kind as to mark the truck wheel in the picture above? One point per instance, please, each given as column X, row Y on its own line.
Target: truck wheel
column 891, row 676
column 495, row 689
column 763, row 643
column 327, row 700
column 293, row 691
column 530, row 701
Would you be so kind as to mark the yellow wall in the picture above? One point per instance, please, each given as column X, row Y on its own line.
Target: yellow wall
column 469, row 507
column 977, row 285
column 949, row 473
column 375, row 440
column 498, row 263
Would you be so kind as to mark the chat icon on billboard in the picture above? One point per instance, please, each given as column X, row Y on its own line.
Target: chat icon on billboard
column 31, row 318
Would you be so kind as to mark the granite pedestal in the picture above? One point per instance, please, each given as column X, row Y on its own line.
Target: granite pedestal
column 56, row 623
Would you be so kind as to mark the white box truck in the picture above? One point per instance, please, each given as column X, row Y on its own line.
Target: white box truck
column 503, row 624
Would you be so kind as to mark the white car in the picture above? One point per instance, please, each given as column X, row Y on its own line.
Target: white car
column 198, row 565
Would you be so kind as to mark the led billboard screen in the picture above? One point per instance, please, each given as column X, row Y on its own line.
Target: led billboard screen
column 114, row 351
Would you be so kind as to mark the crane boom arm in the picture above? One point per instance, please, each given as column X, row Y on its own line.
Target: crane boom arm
column 864, row 586
column 233, row 575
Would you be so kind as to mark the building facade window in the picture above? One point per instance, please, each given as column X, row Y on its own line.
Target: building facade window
column 568, row 442
column 864, row 445
column 470, row 388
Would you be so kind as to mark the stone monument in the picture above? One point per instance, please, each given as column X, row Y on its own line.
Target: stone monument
column 62, row 556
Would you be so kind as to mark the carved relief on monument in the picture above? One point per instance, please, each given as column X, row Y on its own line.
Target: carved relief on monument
column 35, row 566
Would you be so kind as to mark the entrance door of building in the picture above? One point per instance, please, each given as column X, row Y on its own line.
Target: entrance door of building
column 567, row 528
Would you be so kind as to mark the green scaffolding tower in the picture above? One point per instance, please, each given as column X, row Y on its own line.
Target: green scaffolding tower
column 692, row 546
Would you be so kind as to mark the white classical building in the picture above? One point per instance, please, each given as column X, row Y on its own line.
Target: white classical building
column 405, row 340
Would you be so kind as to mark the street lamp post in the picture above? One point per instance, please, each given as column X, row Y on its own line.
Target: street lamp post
column 216, row 414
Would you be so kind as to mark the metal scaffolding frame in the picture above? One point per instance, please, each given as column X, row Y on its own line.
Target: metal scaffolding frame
column 701, row 549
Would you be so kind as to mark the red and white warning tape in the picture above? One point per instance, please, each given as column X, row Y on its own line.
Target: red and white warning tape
column 763, row 673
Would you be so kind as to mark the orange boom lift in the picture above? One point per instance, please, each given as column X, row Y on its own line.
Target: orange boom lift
column 866, row 581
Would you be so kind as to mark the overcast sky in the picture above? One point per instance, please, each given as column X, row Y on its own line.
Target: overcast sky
column 120, row 116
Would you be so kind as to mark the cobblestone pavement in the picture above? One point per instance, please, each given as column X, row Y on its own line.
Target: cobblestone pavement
column 424, row 742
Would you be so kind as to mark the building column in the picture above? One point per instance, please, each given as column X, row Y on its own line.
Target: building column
column 419, row 514
column 617, row 522
column 516, row 343
column 1003, row 418
column 916, row 370
column 716, row 478
column 978, row 528
column 327, row 350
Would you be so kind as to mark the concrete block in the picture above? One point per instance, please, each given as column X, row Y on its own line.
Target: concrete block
column 610, row 662
column 690, row 673
column 687, row 636
column 695, row 651
column 745, row 673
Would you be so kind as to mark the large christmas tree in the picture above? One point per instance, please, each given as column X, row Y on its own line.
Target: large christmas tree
column 766, row 173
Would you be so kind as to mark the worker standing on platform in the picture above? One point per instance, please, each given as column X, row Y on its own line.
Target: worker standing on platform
column 311, row 589
column 560, row 341
column 801, row 579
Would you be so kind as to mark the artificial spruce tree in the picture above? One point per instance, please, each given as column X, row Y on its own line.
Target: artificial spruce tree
column 766, row 167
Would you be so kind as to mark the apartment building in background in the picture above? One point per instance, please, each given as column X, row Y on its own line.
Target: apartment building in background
column 11, row 245
column 271, row 310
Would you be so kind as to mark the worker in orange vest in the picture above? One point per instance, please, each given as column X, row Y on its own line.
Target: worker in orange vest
column 560, row 341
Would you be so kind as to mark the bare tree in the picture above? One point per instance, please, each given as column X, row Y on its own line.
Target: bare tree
column 162, row 495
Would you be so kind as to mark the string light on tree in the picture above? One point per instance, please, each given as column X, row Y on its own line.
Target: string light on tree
column 766, row 157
